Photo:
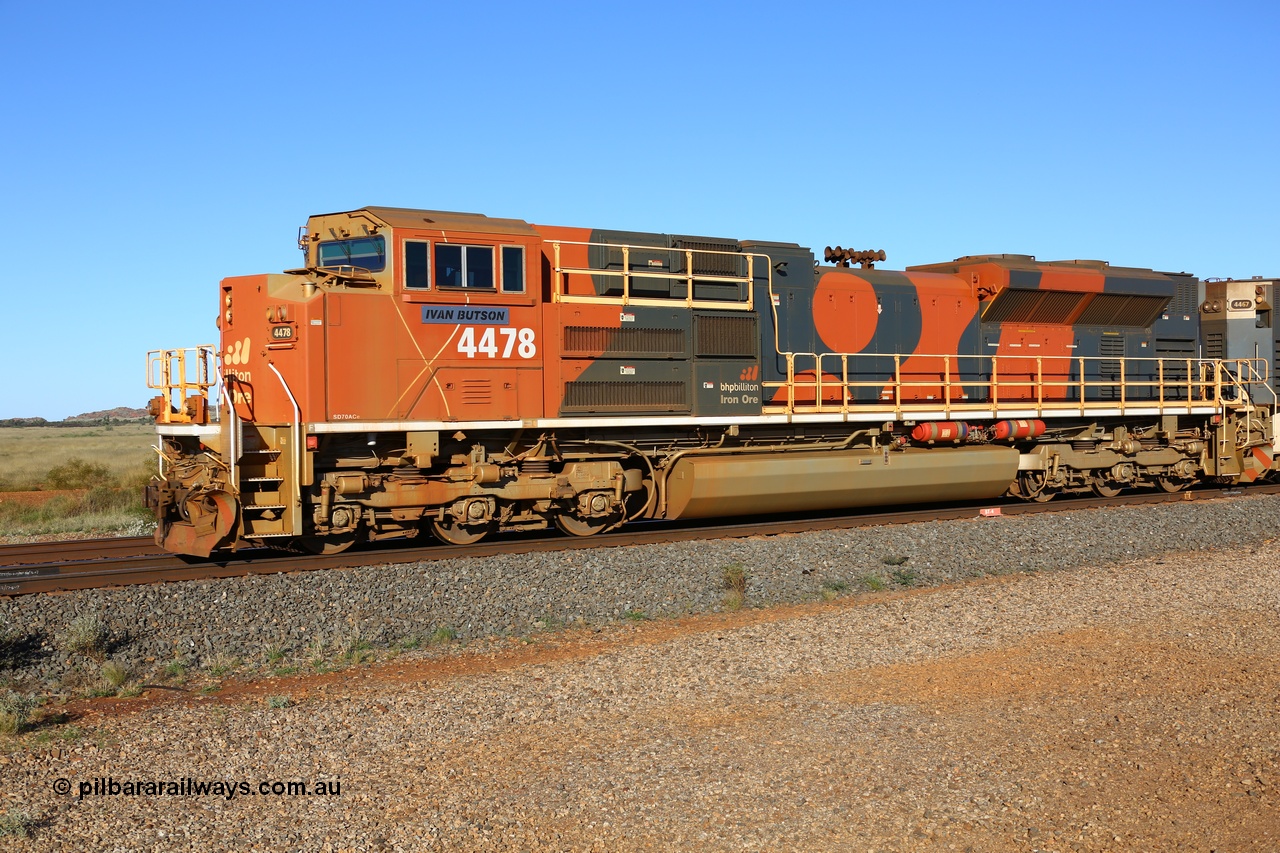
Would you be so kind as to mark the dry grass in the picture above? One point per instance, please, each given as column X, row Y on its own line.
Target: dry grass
column 86, row 635
column 27, row 454
column 89, row 479
column 735, row 584
column 15, row 712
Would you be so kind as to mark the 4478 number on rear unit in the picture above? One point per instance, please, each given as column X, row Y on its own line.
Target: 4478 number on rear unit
column 519, row 340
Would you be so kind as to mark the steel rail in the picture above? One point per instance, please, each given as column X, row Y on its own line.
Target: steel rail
column 78, row 549
column 46, row 566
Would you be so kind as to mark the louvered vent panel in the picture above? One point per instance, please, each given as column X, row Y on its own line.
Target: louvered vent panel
column 1056, row 307
column 600, row 340
column 725, row 336
column 625, row 397
column 705, row 263
column 1033, row 306
column 1184, row 299
column 1175, row 353
column 1011, row 306
column 1111, row 346
column 1175, row 348
column 1141, row 311
column 476, row 392
column 1109, row 309
column 1213, row 345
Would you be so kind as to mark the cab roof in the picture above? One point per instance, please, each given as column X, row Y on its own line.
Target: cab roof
column 442, row 220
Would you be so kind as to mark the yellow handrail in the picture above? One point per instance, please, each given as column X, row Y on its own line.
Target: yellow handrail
column 1132, row 382
column 181, row 375
column 560, row 279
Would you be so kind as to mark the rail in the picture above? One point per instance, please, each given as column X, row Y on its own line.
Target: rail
column 182, row 376
column 968, row 384
column 560, row 291
column 46, row 567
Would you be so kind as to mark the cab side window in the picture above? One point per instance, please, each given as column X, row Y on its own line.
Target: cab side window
column 417, row 268
column 513, row 269
column 464, row 266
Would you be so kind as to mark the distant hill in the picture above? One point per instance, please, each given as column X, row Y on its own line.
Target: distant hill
column 118, row 415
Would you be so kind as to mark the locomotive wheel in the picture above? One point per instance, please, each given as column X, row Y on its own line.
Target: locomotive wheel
column 333, row 544
column 1034, row 486
column 575, row 526
column 1105, row 489
column 450, row 532
column 1170, row 485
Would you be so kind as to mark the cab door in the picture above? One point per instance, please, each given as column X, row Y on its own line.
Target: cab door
column 471, row 302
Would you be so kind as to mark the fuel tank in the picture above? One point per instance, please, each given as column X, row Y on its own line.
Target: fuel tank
column 710, row 486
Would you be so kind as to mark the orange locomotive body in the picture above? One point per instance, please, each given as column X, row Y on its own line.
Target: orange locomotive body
column 461, row 374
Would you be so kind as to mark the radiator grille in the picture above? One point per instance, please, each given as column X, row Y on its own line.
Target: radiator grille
column 1108, row 309
column 625, row 396
column 1033, row 306
column 1214, row 345
column 602, row 340
column 717, row 335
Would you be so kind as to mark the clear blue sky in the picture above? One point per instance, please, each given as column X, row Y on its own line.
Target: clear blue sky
column 150, row 149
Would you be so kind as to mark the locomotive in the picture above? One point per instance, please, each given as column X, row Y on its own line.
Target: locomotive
column 459, row 374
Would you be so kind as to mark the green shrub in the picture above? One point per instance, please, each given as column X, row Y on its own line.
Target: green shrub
column 735, row 584
column 221, row 664
column 442, row 635
column 357, row 650
column 10, row 642
column 76, row 473
column 832, row 590
column 15, row 711
column 16, row 824
column 904, row 577
column 86, row 635
column 115, row 674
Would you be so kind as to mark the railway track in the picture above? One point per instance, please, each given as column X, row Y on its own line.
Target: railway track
column 95, row 563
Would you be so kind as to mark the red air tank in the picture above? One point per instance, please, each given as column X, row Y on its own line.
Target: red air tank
column 944, row 431
column 1017, row 429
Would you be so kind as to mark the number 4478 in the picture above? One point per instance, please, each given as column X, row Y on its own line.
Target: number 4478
column 520, row 340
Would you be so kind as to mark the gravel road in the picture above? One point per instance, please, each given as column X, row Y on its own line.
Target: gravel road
column 1128, row 707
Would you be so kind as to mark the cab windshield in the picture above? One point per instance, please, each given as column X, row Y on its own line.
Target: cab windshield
column 368, row 253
